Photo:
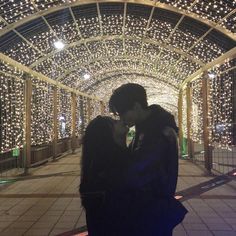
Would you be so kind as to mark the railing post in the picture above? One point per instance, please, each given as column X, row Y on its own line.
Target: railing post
column 73, row 125
column 89, row 109
column 81, row 114
column 180, row 121
column 102, row 108
column 189, row 114
column 27, row 146
column 55, row 123
column 206, row 123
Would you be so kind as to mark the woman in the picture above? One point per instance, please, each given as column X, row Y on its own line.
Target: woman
column 116, row 187
column 104, row 157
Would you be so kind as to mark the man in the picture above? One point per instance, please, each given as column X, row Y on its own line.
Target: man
column 155, row 161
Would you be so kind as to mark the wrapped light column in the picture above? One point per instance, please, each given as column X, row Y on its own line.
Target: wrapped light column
column 89, row 109
column 73, row 125
column 206, row 123
column 55, row 122
column 189, row 113
column 102, row 108
column 196, row 121
column 180, row 121
column 27, row 146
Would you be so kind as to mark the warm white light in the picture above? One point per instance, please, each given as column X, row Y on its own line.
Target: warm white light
column 61, row 118
column 211, row 75
column 86, row 76
column 59, row 45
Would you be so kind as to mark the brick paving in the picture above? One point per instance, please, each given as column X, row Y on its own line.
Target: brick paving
column 47, row 201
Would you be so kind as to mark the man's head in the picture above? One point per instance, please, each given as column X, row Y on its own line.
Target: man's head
column 129, row 101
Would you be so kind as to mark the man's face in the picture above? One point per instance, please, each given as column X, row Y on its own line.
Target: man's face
column 119, row 128
column 129, row 117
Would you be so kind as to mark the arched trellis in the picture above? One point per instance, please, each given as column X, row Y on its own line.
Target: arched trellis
column 117, row 37
column 158, row 91
column 128, row 73
column 136, row 62
column 203, row 76
column 57, row 93
column 184, row 12
column 154, row 5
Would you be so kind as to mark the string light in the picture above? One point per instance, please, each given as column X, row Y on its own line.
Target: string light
column 196, row 129
column 115, row 48
column 59, row 45
column 11, row 109
column 184, row 114
column 130, row 44
column 220, row 107
column 221, row 103
column 41, row 113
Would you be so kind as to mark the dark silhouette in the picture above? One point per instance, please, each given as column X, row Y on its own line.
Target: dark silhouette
column 153, row 171
column 104, row 158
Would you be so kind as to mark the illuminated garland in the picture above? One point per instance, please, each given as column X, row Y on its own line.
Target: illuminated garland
column 131, row 44
column 41, row 113
column 221, row 97
column 184, row 114
column 64, row 114
column 196, row 130
column 11, row 112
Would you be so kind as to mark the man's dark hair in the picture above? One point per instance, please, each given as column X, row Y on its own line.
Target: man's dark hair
column 125, row 97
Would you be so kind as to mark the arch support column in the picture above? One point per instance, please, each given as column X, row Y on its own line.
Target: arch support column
column 55, row 123
column 102, row 108
column 89, row 109
column 27, row 119
column 189, row 121
column 180, row 121
column 73, row 125
column 206, row 123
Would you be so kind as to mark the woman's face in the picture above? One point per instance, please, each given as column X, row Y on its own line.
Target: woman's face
column 119, row 128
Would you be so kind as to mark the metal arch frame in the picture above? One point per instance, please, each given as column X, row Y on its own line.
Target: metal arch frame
column 146, row 29
column 123, row 26
column 100, row 25
column 31, row 44
column 124, row 58
column 98, row 83
column 51, row 30
column 175, row 28
column 206, row 33
column 130, row 72
column 218, row 61
column 97, row 75
column 78, row 30
column 116, row 37
column 144, row 2
column 42, row 77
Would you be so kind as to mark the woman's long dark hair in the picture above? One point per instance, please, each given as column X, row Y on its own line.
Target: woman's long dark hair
column 97, row 146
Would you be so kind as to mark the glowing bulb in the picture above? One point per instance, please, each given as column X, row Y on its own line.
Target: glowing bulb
column 59, row 45
column 61, row 118
column 212, row 75
column 86, row 76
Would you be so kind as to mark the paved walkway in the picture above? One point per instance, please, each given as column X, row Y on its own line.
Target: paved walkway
column 47, row 201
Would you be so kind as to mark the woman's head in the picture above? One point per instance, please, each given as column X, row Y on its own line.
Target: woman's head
column 99, row 141
column 101, row 131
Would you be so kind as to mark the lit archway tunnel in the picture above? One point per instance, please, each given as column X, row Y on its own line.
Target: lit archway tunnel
column 92, row 47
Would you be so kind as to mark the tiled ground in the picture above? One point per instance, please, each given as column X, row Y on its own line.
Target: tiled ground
column 47, row 202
